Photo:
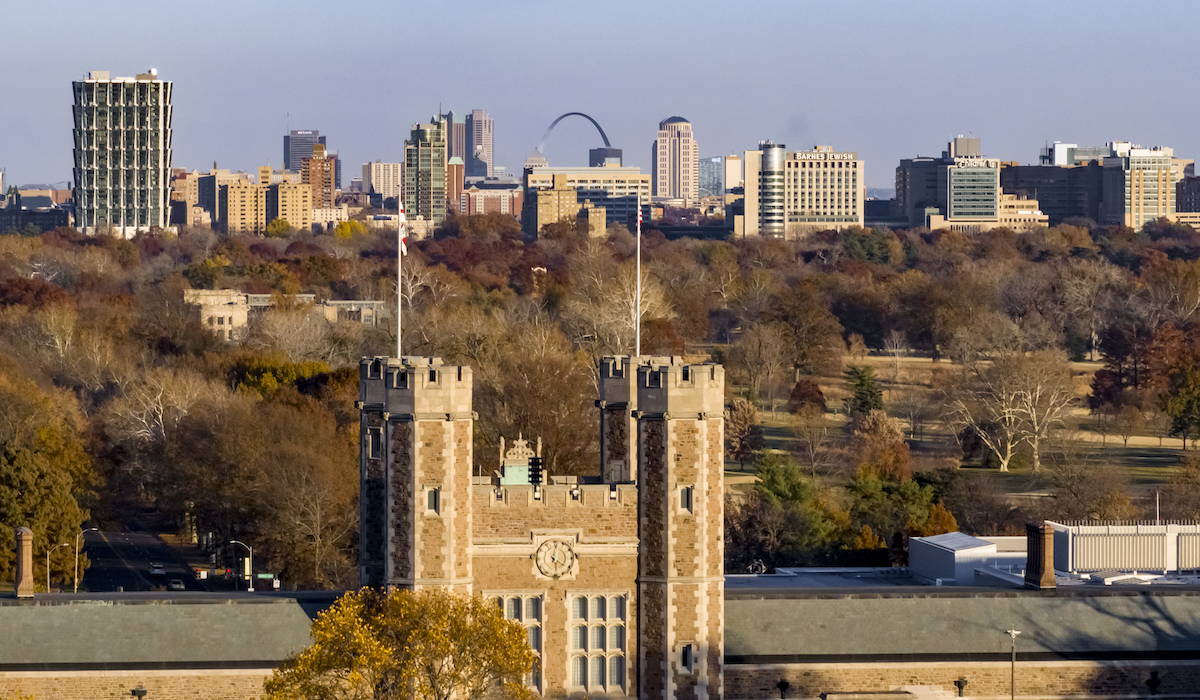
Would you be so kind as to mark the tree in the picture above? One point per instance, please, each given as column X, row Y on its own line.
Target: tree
column 743, row 432
column 806, row 393
column 431, row 644
column 1088, row 287
column 1128, row 421
column 895, row 344
column 1181, row 494
column 865, row 395
column 812, row 436
column 816, row 335
column 761, row 354
column 1045, row 393
column 279, row 228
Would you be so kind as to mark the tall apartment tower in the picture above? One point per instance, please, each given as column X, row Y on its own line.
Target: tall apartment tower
column 317, row 171
column 425, row 171
column 382, row 178
column 298, row 145
column 480, row 161
column 415, row 473
column 122, row 152
column 675, row 161
column 680, row 580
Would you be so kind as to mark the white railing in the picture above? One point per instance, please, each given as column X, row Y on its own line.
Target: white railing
column 1172, row 546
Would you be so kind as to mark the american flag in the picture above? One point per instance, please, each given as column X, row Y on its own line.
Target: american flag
column 403, row 233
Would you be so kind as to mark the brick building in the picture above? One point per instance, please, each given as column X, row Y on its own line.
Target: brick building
column 619, row 577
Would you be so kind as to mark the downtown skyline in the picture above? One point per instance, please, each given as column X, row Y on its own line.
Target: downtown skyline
column 887, row 82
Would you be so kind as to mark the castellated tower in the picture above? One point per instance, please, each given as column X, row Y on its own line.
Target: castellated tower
column 617, row 404
column 415, row 473
column 680, row 464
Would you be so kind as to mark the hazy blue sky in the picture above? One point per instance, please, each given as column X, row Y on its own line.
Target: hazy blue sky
column 887, row 79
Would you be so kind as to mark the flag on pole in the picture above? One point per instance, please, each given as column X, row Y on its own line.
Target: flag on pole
column 403, row 233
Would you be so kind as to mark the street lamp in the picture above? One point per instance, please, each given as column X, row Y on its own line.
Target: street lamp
column 48, row 551
column 77, row 538
column 1013, row 677
column 251, row 551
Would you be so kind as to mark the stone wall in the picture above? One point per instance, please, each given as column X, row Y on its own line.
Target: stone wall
column 160, row 685
column 990, row 679
column 596, row 514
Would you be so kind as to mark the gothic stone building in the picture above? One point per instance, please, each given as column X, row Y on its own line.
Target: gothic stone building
column 619, row 579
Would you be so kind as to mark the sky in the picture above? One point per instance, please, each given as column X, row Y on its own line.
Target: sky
column 887, row 79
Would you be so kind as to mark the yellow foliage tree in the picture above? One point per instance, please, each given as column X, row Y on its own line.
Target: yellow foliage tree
column 431, row 644
column 349, row 229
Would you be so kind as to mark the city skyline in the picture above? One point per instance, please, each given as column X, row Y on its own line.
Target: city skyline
column 890, row 82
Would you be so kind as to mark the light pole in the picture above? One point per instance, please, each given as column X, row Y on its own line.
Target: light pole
column 77, row 538
column 48, row 551
column 251, row 551
column 1013, row 677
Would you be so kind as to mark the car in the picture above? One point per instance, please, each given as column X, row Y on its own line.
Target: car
column 158, row 571
column 175, row 585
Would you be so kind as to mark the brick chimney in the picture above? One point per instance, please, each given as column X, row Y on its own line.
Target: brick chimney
column 24, row 577
column 1039, row 564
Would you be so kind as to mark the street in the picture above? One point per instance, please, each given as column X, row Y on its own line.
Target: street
column 120, row 561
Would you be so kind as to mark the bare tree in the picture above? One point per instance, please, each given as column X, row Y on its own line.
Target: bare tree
column 761, row 354
column 1127, row 422
column 812, row 436
column 988, row 406
column 1087, row 288
column 895, row 345
column 1044, row 393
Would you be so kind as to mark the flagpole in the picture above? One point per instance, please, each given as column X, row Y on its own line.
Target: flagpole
column 637, row 320
column 400, row 251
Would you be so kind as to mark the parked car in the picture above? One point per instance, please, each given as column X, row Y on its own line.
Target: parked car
column 158, row 571
column 175, row 585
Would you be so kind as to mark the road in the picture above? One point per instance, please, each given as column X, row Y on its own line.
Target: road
column 120, row 561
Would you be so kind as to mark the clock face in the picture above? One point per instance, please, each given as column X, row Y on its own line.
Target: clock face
column 554, row 558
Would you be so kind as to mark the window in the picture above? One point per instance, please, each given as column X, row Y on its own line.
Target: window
column 433, row 501
column 597, row 643
column 527, row 609
column 374, row 442
column 685, row 498
column 686, row 658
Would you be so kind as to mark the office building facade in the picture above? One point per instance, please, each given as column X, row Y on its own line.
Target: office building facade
column 425, row 175
column 1139, row 185
column 298, row 145
column 621, row 191
column 480, row 161
column 385, row 179
column 711, row 172
column 674, row 161
column 788, row 194
column 122, row 152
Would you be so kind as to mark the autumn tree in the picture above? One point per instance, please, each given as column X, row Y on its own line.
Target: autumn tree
column 387, row 645
column 812, row 436
column 761, row 355
column 743, row 431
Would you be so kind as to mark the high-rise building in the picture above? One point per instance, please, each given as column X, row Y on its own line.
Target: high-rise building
column 455, row 177
column 481, row 161
column 425, row 171
column 385, row 179
column 712, row 176
column 290, row 201
column 621, row 191
column 122, row 152
column 733, row 172
column 242, row 207
column 605, row 155
column 298, row 145
column 457, row 143
column 788, row 194
column 1139, row 184
column 674, row 161
column 317, row 171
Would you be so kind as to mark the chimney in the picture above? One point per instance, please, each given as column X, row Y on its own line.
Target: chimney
column 1039, row 564
column 24, row 577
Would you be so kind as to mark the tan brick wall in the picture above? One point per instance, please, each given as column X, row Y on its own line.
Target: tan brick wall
column 461, row 502
column 432, row 468
column 159, row 685
column 608, row 574
column 595, row 514
column 984, row 679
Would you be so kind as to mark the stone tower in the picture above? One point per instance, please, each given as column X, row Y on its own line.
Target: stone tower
column 680, row 464
column 415, row 473
column 617, row 404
